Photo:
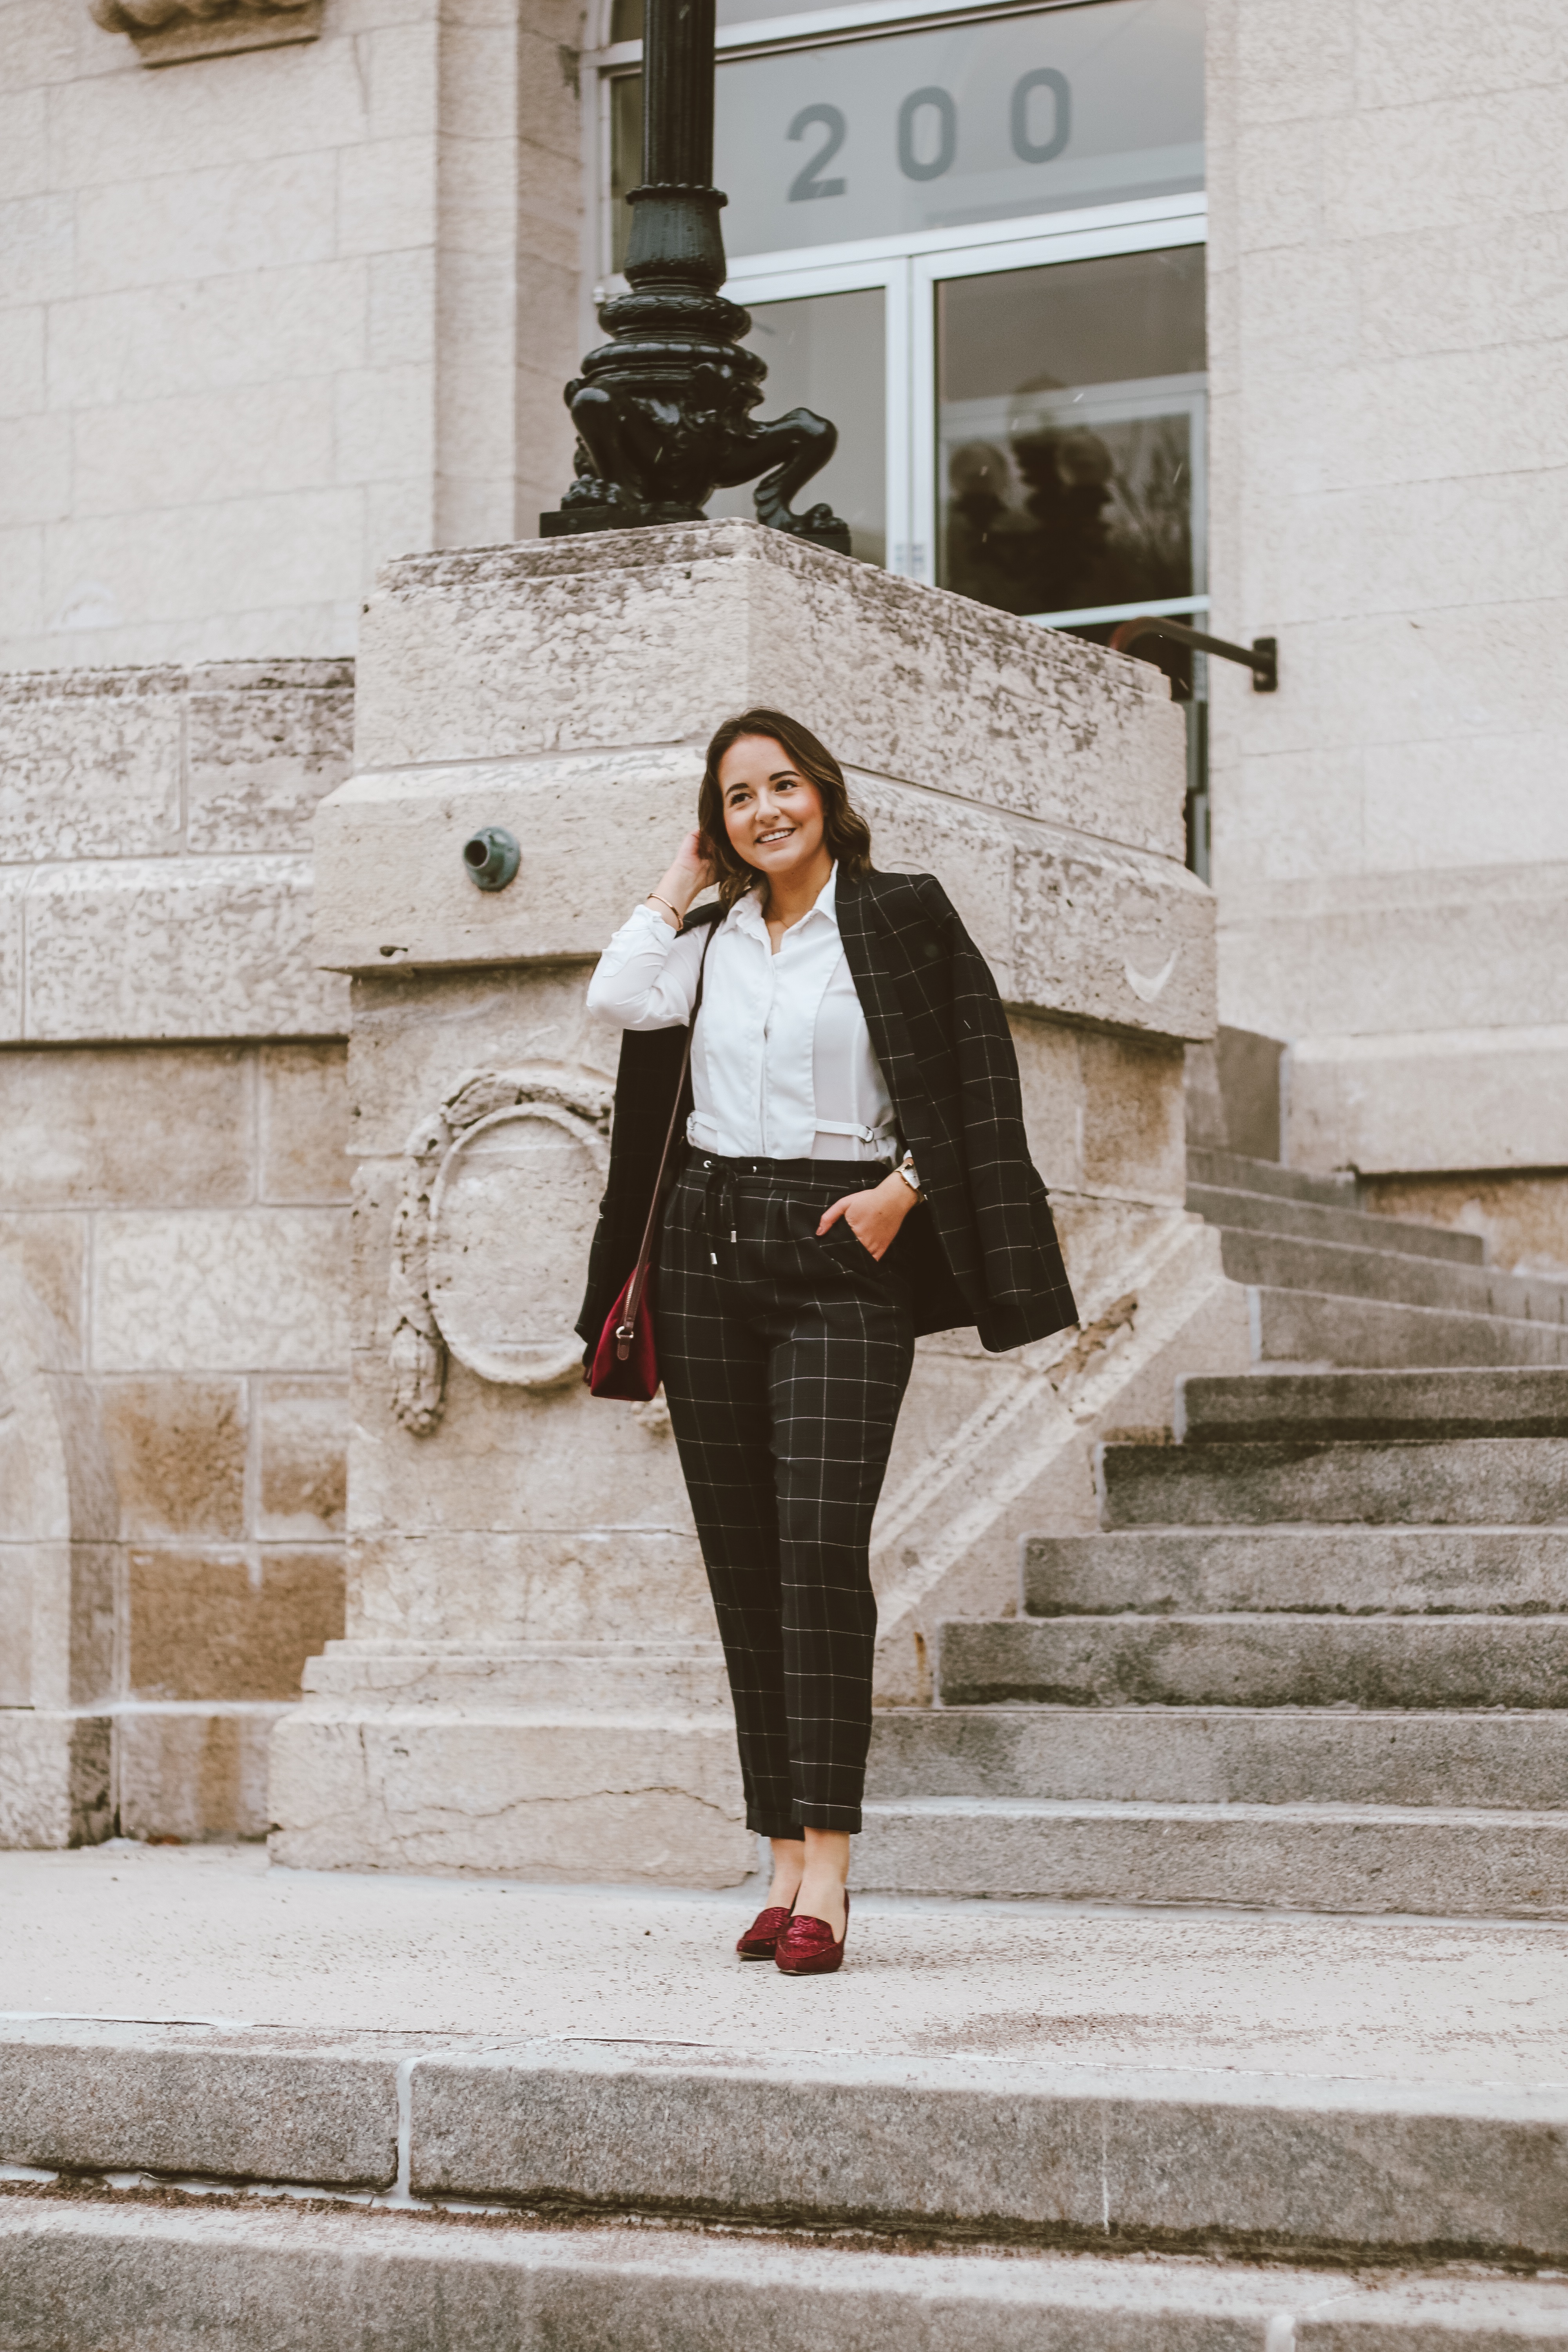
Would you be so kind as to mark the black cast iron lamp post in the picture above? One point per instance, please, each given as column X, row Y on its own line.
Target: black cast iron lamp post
column 663, row 411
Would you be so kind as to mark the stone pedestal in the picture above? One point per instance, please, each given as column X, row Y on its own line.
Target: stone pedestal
column 531, row 1681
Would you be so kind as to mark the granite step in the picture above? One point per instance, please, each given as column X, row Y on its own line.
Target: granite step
column 208, row 2278
column 1353, row 1571
column 1232, row 1171
column 1497, row 1482
column 1444, row 1862
column 1223, row 1755
column 1236, row 1660
column 1039, row 2154
column 1310, row 1221
column 1512, row 1402
column 1306, row 1327
column 1274, row 1261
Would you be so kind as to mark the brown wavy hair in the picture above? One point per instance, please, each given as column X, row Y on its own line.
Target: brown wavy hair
column 846, row 832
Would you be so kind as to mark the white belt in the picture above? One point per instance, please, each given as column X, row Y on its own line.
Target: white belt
column 861, row 1134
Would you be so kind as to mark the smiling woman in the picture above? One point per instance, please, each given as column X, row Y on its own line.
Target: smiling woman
column 854, row 1173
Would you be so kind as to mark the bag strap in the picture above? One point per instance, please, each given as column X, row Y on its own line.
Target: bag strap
column 638, row 1283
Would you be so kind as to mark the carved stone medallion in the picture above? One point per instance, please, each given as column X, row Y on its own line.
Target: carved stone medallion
column 491, row 1240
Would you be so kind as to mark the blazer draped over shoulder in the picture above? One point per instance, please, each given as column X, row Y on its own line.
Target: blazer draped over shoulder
column 981, row 1248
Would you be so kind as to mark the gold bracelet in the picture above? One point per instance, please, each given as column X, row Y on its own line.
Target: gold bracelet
column 679, row 918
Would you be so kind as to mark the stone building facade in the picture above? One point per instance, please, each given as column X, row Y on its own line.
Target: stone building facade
column 290, row 291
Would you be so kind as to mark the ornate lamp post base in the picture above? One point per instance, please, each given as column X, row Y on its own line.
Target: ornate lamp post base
column 663, row 410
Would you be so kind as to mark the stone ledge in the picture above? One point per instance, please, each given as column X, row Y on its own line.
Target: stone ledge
column 1428, row 1100
column 1071, row 924
column 319, row 2280
column 230, row 2103
column 569, row 645
column 1037, row 2153
column 1047, row 2153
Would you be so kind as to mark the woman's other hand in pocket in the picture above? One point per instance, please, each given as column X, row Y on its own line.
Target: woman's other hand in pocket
column 874, row 1216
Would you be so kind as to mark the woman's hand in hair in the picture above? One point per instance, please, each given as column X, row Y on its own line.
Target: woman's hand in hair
column 873, row 1217
column 689, row 873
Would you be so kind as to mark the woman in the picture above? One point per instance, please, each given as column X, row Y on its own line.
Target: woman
column 856, row 1173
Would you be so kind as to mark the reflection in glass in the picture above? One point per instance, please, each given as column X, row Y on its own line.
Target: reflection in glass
column 943, row 125
column 825, row 351
column 1071, row 432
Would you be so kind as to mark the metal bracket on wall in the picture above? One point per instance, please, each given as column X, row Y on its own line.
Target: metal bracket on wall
column 1263, row 660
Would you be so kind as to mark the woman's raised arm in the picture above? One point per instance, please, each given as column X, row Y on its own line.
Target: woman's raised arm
column 646, row 977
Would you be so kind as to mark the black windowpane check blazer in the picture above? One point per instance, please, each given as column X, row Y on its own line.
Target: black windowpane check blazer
column 982, row 1249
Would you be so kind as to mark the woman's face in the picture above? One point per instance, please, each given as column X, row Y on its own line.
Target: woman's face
column 773, row 814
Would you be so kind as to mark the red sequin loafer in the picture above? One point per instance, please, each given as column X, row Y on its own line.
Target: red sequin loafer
column 806, row 1948
column 760, row 1939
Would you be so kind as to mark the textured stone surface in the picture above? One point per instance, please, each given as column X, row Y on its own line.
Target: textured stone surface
column 258, row 1289
column 1444, row 1863
column 1522, row 1219
column 178, row 1448
column 1314, row 1221
column 124, row 1127
column 17, row 1565
column 1432, row 1100
column 210, row 1625
column 304, row 1459
column 624, row 1800
column 262, row 749
column 1271, row 1259
column 1389, row 838
column 93, row 765
column 1276, row 1660
column 1465, row 1482
column 461, row 659
column 48, row 1253
column 54, row 1780
column 1427, row 1405
column 193, row 2099
column 1026, row 2151
column 1397, row 1569
column 1220, row 1756
column 309, row 2279
column 1459, row 2005
column 1069, row 924
column 1297, row 1326
column 304, row 1123
column 192, row 1773
column 304, row 321
column 214, row 947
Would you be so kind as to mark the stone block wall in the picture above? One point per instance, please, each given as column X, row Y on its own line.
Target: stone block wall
column 269, row 317
column 1389, row 207
column 173, row 1236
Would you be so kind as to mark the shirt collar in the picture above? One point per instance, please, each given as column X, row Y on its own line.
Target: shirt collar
column 747, row 914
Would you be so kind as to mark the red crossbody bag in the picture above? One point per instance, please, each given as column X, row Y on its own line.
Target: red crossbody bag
column 626, row 1361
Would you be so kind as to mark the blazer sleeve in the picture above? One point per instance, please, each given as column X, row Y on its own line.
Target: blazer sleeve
column 1007, row 1193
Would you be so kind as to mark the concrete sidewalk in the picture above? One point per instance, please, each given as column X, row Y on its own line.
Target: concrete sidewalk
column 129, row 1931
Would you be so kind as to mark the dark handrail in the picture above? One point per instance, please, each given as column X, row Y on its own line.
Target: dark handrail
column 1263, row 660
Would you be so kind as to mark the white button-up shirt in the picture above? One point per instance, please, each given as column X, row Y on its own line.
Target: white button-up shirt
column 782, row 1063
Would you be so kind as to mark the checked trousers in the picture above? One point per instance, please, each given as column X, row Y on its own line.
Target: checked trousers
column 785, row 1361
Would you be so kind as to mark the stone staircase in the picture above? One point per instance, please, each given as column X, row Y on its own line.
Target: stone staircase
column 1318, row 1658
column 1326, row 1284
